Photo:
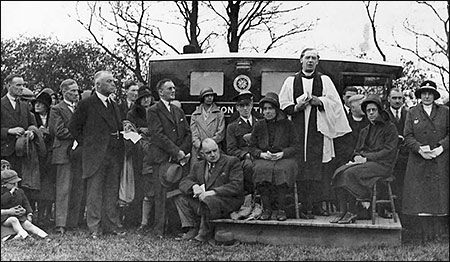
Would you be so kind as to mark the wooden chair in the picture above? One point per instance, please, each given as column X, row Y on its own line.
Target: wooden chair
column 374, row 201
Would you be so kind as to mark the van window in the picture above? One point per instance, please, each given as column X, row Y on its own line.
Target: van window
column 273, row 81
column 200, row 80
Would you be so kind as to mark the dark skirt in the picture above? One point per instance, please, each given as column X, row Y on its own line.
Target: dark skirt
column 276, row 172
column 359, row 179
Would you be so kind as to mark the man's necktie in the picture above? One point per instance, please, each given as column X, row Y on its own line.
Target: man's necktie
column 248, row 122
column 208, row 174
column 397, row 115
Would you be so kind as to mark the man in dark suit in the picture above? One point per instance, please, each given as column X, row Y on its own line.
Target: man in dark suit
column 69, row 184
column 96, row 125
column 213, row 189
column 171, row 136
column 16, row 120
column 238, row 133
column 397, row 114
column 131, row 88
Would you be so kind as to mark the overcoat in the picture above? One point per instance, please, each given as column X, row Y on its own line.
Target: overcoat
column 378, row 143
column 426, row 182
column 92, row 125
column 211, row 127
column 226, row 180
column 285, row 140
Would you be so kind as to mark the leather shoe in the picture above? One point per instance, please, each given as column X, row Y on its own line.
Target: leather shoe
column 337, row 218
column 95, row 235
column 348, row 218
column 116, row 233
column 200, row 238
column 309, row 215
column 192, row 233
column 274, row 215
column 281, row 215
column 320, row 212
column 61, row 230
column 266, row 214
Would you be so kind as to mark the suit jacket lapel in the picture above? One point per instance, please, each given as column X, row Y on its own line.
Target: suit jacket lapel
column 165, row 112
column 66, row 112
column 8, row 107
column 103, row 111
column 217, row 170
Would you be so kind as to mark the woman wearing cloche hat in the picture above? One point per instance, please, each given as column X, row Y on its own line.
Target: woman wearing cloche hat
column 426, row 191
column 274, row 145
column 207, row 121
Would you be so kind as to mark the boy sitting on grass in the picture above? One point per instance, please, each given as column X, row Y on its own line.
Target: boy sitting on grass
column 16, row 211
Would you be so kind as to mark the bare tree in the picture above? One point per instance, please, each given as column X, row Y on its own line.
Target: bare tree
column 241, row 17
column 437, row 56
column 372, row 17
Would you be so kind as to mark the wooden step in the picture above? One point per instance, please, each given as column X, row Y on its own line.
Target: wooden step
column 317, row 231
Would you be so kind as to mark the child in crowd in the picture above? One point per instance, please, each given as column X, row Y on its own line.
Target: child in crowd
column 16, row 211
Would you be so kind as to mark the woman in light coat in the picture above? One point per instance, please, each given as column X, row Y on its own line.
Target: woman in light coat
column 426, row 190
column 207, row 121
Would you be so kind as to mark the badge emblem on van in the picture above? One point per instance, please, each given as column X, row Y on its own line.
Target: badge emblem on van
column 242, row 83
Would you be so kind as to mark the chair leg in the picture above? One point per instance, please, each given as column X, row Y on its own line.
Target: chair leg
column 374, row 202
column 297, row 214
column 391, row 198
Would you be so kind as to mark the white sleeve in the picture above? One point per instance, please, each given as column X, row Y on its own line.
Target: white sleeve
column 286, row 95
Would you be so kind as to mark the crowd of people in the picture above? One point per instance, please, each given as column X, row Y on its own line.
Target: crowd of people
column 333, row 148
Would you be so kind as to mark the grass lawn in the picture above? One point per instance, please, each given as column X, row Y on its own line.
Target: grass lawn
column 76, row 245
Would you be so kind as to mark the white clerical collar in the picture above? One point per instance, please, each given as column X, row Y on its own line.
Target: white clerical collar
column 102, row 97
column 308, row 74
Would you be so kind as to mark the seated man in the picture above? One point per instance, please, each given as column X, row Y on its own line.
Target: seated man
column 213, row 189
column 374, row 158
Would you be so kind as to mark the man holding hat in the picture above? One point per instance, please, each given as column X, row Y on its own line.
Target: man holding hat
column 425, row 189
column 238, row 133
column 213, row 189
column 16, row 119
column 206, row 121
column 172, row 141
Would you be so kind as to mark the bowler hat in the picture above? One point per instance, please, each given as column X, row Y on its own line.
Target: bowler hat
column 243, row 97
column 224, row 237
column 143, row 92
column 10, row 176
column 372, row 98
column 169, row 174
column 44, row 98
column 429, row 86
column 271, row 98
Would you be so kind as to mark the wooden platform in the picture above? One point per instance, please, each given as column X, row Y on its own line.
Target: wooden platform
column 317, row 231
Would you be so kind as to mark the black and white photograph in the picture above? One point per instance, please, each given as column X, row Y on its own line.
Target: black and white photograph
column 225, row 130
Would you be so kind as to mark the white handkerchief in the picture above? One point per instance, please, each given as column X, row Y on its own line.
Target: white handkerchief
column 74, row 145
column 301, row 99
column 426, row 149
column 203, row 187
column 133, row 136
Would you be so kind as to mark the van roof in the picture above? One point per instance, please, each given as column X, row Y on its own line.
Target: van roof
column 249, row 55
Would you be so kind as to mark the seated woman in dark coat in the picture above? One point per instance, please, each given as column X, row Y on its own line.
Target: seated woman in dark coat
column 374, row 158
column 273, row 145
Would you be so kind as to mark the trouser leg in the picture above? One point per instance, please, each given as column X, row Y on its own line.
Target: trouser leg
column 188, row 210
column 63, row 188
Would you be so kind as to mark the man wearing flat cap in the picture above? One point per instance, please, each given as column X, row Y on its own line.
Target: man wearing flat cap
column 238, row 136
column 16, row 119
column 207, row 121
